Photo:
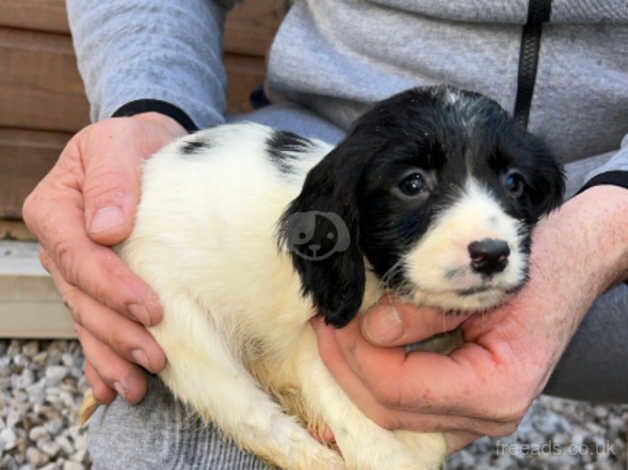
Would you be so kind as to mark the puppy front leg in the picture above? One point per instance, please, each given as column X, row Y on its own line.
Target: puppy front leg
column 364, row 444
column 203, row 372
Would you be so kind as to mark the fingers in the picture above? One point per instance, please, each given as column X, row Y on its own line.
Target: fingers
column 448, row 423
column 127, row 380
column 458, row 440
column 113, row 151
column 394, row 417
column 54, row 212
column 111, row 344
column 333, row 358
column 126, row 338
column 420, row 381
column 391, row 323
column 111, row 186
column 95, row 269
column 93, row 190
column 102, row 392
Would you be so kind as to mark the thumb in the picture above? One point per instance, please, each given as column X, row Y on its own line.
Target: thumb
column 111, row 191
column 391, row 323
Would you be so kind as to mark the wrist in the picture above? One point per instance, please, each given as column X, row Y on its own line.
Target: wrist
column 588, row 240
column 605, row 211
column 171, row 125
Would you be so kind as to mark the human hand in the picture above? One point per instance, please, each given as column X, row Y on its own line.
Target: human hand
column 85, row 204
column 509, row 353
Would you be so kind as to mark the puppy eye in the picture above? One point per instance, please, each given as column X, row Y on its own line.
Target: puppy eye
column 514, row 183
column 412, row 184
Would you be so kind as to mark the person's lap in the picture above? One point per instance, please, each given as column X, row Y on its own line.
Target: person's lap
column 160, row 433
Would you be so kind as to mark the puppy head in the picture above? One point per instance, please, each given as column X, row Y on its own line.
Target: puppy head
column 438, row 190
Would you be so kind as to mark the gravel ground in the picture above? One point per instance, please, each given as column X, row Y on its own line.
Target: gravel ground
column 41, row 387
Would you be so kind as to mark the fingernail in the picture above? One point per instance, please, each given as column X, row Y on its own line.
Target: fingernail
column 382, row 325
column 121, row 389
column 106, row 219
column 141, row 358
column 140, row 313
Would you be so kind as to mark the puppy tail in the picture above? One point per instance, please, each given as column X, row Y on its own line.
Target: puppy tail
column 88, row 407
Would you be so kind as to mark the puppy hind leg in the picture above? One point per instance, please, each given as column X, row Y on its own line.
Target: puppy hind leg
column 364, row 445
column 204, row 374
column 429, row 449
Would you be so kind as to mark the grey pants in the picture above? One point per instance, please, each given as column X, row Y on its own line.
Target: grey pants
column 159, row 433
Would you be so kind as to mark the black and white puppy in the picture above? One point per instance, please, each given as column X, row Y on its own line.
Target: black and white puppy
column 247, row 232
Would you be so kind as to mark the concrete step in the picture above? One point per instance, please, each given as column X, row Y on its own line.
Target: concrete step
column 30, row 306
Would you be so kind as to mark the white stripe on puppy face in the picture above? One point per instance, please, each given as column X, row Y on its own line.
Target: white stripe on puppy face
column 439, row 265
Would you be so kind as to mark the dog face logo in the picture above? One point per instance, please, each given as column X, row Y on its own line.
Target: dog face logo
column 316, row 235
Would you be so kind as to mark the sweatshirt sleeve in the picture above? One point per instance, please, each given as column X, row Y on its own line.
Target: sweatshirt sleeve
column 608, row 168
column 152, row 55
column 614, row 171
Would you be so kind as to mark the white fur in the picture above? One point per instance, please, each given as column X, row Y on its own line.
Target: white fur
column 205, row 240
column 439, row 264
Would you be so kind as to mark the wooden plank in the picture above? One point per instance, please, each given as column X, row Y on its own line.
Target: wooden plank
column 15, row 230
column 249, row 27
column 244, row 74
column 30, row 306
column 40, row 87
column 41, row 15
column 25, row 157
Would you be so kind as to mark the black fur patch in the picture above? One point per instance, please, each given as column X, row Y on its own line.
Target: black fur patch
column 195, row 147
column 282, row 147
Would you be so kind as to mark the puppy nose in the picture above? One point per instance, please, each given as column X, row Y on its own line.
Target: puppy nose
column 489, row 256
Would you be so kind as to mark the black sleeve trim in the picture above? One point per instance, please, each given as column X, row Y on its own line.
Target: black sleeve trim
column 616, row 178
column 144, row 106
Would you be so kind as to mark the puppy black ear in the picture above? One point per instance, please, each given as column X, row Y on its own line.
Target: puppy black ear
column 544, row 174
column 321, row 230
column 547, row 182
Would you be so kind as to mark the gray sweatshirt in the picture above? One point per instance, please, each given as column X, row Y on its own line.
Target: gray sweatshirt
column 335, row 57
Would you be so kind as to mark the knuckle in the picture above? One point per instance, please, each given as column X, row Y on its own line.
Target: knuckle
column 102, row 393
column 71, row 302
column 110, row 369
column 109, row 187
column 388, row 396
column 116, row 341
column 500, row 430
column 31, row 209
column 66, row 259
column 110, row 263
column 44, row 259
column 513, row 411
column 387, row 420
column 28, row 208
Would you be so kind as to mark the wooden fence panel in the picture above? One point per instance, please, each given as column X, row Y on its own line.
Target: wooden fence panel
column 40, row 15
column 25, row 157
column 40, row 87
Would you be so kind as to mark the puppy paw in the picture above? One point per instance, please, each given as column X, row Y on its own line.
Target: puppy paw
column 322, row 459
